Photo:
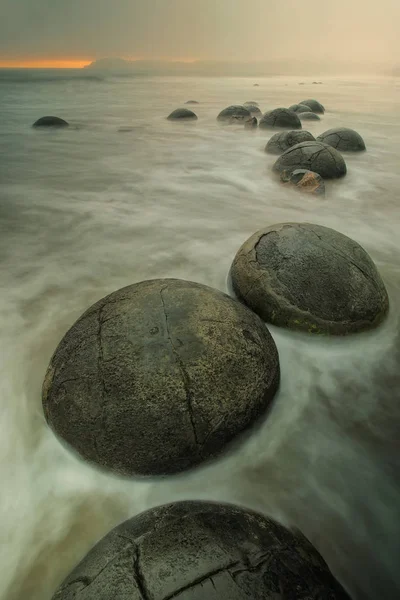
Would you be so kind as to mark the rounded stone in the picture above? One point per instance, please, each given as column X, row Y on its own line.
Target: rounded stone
column 50, row 122
column 305, row 181
column 313, row 156
column 234, row 112
column 299, row 108
column 159, row 377
column 311, row 278
column 201, row 550
column 251, row 103
column 314, row 105
column 282, row 118
column 283, row 140
column 182, row 113
column 253, row 109
column 192, row 102
column 343, row 139
column 308, row 116
column 251, row 123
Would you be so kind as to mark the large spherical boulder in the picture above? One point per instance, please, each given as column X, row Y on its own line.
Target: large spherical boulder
column 314, row 105
column 234, row 112
column 305, row 181
column 159, row 376
column 343, row 139
column 308, row 277
column 198, row 551
column 182, row 114
column 299, row 108
column 308, row 116
column 313, row 156
column 282, row 118
column 283, row 140
column 50, row 122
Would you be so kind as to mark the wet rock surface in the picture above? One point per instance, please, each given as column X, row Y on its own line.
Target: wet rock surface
column 182, row 114
column 313, row 156
column 314, row 105
column 201, row 551
column 50, row 122
column 305, row 181
column 280, row 118
column 343, row 139
column 159, row 376
column 311, row 278
column 283, row 140
column 236, row 112
column 308, row 116
column 299, row 108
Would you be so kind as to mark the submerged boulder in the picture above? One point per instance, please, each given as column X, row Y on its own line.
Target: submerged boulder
column 50, row 122
column 299, row 108
column 343, row 139
column 251, row 103
column 254, row 110
column 308, row 116
column 251, row 123
column 311, row 278
column 182, row 113
column 201, row 550
column 283, row 140
column 192, row 102
column 159, row 376
column 305, row 181
column 314, row 105
column 282, row 118
column 313, row 156
column 234, row 112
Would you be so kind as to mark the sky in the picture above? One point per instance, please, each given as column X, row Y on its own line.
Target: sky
column 74, row 32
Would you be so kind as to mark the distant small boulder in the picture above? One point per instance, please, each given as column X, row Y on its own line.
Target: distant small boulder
column 282, row 118
column 256, row 85
column 234, row 113
column 192, row 102
column 343, row 139
column 182, row 114
column 283, row 140
column 251, row 103
column 314, row 105
column 50, row 122
column 308, row 116
column 299, row 108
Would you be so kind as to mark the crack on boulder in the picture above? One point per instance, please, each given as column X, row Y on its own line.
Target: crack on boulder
column 201, row 579
column 138, row 574
column 185, row 376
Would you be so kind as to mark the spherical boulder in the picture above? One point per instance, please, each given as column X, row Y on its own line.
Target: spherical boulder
column 299, row 108
column 313, row 156
column 308, row 116
column 251, row 123
column 343, row 139
column 50, row 122
column 201, row 550
column 305, row 181
column 283, row 140
column 234, row 112
column 314, row 105
column 251, row 103
column 182, row 114
column 192, row 102
column 282, row 118
column 311, row 278
column 254, row 110
column 159, row 376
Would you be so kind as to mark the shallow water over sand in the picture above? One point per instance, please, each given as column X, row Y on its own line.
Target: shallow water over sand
column 87, row 210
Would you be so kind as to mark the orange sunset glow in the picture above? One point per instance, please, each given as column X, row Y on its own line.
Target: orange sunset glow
column 44, row 63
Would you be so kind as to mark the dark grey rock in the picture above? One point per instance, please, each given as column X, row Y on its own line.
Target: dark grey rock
column 305, row 181
column 251, row 103
column 251, row 123
column 343, row 139
column 314, row 105
column 311, row 278
column 313, row 156
column 254, row 110
column 299, row 108
column 159, row 376
column 234, row 112
column 256, row 85
column 283, row 140
column 192, row 102
column 282, row 118
column 50, row 122
column 201, row 551
column 308, row 116
column 182, row 113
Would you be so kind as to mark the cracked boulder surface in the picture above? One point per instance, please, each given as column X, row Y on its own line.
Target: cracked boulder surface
column 305, row 181
column 283, row 140
column 50, row 122
column 202, row 551
column 299, row 108
column 313, row 156
column 310, row 278
column 343, row 139
column 235, row 112
column 159, row 377
column 308, row 116
column 314, row 105
column 282, row 118
column 182, row 113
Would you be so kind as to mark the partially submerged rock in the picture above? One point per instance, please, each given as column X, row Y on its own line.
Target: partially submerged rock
column 308, row 116
column 283, row 140
column 299, row 108
column 343, row 139
column 234, row 113
column 313, row 156
column 182, row 114
column 50, row 122
column 160, row 376
column 305, row 181
column 314, row 105
column 311, row 278
column 201, row 550
column 192, row 102
column 251, row 123
column 281, row 118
